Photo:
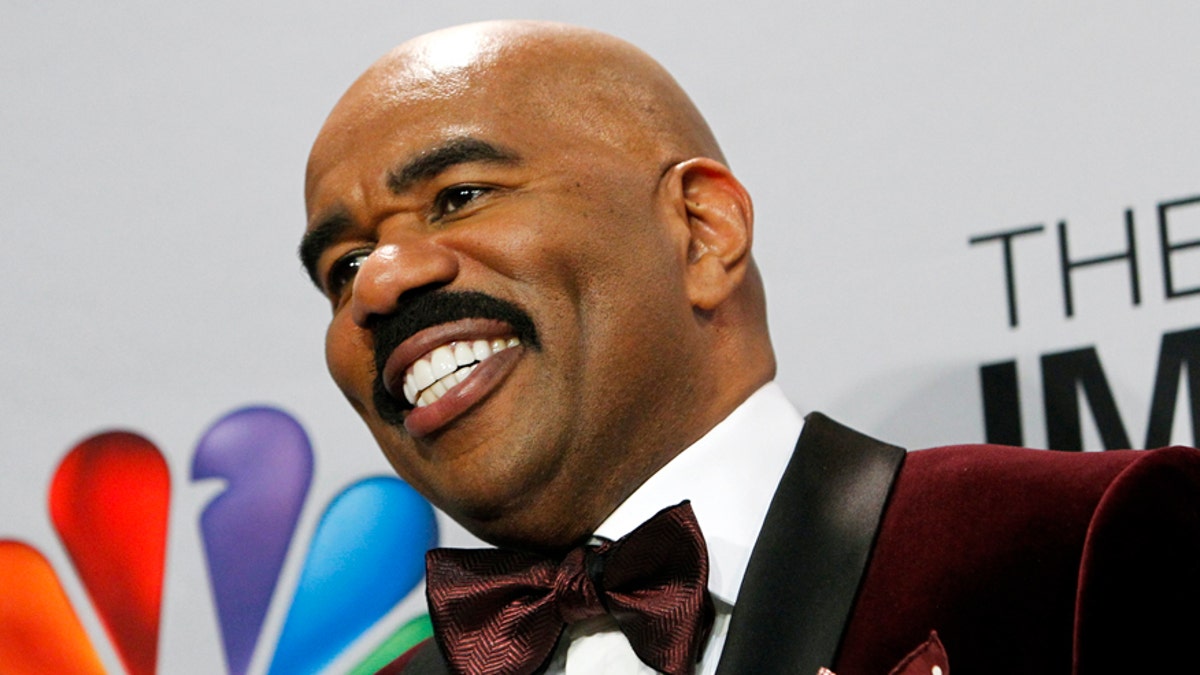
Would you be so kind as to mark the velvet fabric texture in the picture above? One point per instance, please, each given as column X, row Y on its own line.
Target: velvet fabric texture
column 1030, row 561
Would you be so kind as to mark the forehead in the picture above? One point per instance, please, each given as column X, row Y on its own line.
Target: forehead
column 527, row 100
column 368, row 138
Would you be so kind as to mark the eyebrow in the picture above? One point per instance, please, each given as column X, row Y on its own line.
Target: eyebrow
column 427, row 165
column 400, row 179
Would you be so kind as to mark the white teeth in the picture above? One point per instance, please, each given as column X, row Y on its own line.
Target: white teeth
column 432, row 375
column 463, row 354
column 481, row 349
column 443, row 362
column 422, row 373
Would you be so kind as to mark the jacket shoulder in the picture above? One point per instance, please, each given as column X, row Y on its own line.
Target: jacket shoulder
column 1139, row 581
column 984, row 545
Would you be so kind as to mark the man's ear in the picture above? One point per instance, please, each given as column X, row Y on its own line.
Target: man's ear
column 720, row 222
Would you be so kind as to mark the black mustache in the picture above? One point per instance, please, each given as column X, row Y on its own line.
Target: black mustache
column 431, row 309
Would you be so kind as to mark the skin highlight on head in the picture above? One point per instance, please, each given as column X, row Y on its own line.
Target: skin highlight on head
column 564, row 173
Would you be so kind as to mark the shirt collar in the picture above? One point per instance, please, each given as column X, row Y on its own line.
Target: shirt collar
column 730, row 476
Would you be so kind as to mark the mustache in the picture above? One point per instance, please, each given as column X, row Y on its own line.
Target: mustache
column 431, row 309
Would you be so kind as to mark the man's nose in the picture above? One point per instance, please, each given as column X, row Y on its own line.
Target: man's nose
column 395, row 268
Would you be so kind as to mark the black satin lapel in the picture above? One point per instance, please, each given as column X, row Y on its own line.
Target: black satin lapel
column 427, row 661
column 804, row 573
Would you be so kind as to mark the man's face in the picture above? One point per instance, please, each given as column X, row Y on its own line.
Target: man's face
column 462, row 220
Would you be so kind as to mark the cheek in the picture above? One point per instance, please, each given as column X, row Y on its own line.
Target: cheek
column 349, row 355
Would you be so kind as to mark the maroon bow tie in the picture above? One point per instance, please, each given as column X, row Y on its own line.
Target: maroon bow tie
column 501, row 612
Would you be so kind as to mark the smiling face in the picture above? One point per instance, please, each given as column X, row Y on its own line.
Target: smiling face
column 503, row 247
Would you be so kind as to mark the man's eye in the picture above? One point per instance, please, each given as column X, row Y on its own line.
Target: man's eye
column 454, row 198
column 342, row 272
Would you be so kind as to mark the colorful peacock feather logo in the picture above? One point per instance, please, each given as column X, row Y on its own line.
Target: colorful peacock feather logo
column 110, row 500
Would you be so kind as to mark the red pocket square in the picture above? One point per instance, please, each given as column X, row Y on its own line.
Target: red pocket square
column 929, row 658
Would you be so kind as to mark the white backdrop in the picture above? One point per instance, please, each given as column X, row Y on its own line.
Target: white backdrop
column 150, row 184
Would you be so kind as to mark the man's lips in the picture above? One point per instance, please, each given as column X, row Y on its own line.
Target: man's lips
column 431, row 319
column 444, row 370
column 432, row 375
column 421, row 347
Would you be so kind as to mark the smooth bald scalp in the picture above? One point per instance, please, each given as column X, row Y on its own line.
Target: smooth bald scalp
column 564, row 74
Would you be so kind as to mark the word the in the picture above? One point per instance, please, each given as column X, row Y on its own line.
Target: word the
column 1168, row 248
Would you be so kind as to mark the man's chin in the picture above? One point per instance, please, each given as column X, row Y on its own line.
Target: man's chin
column 508, row 516
column 516, row 533
column 501, row 490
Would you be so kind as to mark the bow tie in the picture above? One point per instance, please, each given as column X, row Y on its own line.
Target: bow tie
column 501, row 612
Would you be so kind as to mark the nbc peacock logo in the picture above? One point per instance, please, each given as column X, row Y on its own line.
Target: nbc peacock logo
column 109, row 502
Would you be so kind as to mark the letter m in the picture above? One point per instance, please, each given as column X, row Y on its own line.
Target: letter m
column 1065, row 374
column 1179, row 350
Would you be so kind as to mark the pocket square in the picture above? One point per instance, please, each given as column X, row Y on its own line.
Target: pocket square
column 929, row 658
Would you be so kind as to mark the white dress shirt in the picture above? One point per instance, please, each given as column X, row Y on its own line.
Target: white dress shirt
column 730, row 476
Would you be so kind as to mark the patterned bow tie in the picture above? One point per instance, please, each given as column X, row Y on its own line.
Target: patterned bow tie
column 500, row 612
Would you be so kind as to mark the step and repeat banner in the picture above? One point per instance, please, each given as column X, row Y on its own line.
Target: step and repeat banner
column 975, row 223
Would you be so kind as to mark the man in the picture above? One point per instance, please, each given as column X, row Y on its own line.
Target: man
column 546, row 310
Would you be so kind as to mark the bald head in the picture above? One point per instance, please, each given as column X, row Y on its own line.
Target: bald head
column 546, row 198
column 579, row 79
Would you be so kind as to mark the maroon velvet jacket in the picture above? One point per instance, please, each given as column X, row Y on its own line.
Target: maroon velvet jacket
column 1028, row 561
column 1020, row 561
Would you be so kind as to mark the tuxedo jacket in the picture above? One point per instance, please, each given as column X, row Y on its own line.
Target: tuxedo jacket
column 983, row 558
